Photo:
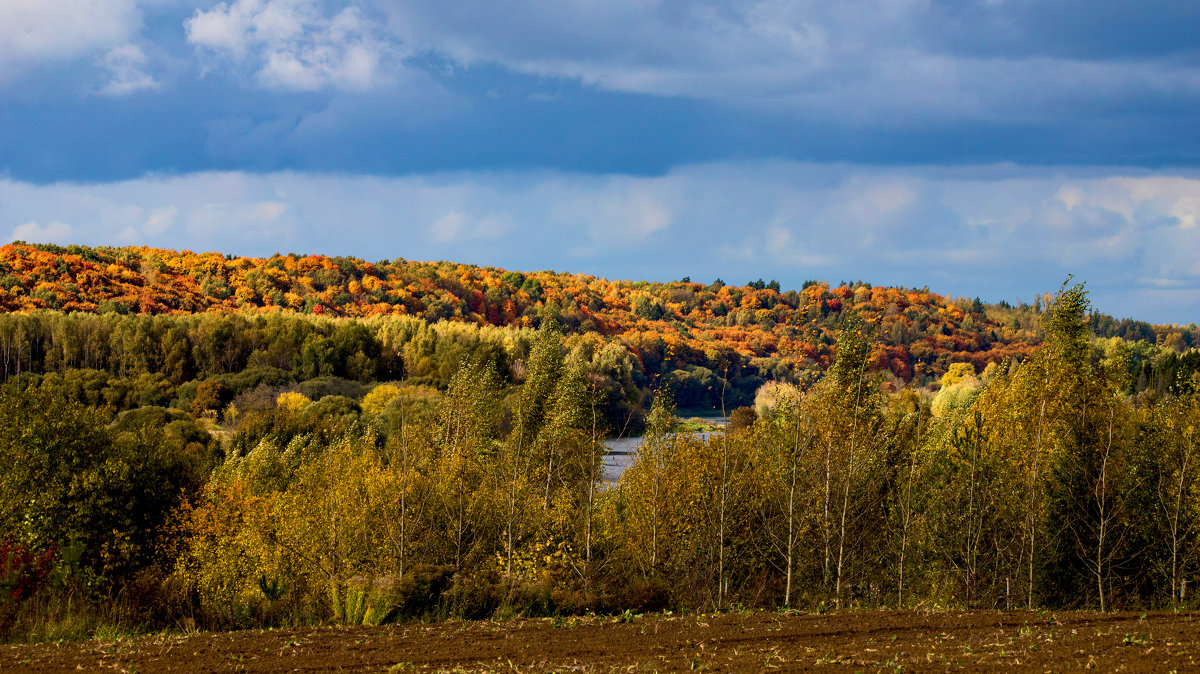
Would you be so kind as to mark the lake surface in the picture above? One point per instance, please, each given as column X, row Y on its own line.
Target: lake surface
column 623, row 451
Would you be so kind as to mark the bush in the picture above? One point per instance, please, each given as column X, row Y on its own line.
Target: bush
column 473, row 597
column 23, row 573
column 107, row 490
column 639, row 594
column 742, row 417
column 320, row 387
column 418, row 593
column 210, row 395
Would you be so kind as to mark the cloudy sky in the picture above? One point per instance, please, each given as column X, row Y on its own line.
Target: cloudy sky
column 980, row 147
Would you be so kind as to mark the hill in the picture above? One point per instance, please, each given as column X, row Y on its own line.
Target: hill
column 696, row 335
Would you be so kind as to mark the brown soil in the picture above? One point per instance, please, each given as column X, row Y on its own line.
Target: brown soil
column 749, row 641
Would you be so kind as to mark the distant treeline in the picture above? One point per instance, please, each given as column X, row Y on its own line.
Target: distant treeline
column 135, row 360
column 917, row 333
column 132, row 360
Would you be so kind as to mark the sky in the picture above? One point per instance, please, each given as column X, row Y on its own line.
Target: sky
column 981, row 148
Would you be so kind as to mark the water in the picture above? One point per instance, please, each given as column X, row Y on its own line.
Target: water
column 623, row 451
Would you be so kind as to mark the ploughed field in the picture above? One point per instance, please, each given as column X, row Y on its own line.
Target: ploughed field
column 737, row 641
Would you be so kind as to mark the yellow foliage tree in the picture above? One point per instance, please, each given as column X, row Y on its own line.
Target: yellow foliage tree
column 377, row 400
column 292, row 402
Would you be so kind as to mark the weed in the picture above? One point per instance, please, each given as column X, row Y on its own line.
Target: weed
column 627, row 617
column 272, row 588
column 1136, row 639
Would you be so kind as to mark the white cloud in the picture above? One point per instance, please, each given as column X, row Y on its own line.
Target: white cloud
column 223, row 28
column 160, row 219
column 38, row 33
column 33, row 31
column 611, row 213
column 887, row 198
column 212, row 223
column 1069, row 195
column 126, row 66
column 643, row 215
column 54, row 232
column 1187, row 211
column 1177, row 196
column 741, row 253
column 457, row 227
column 630, row 213
column 293, row 44
column 778, row 243
column 448, row 227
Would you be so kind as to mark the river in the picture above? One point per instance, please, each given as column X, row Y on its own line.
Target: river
column 622, row 451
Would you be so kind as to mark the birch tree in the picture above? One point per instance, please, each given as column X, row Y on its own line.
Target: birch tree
column 1177, row 487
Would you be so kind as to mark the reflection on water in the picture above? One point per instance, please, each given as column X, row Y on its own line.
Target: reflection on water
column 623, row 451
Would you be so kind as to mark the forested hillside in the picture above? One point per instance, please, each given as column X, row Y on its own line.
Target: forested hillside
column 701, row 337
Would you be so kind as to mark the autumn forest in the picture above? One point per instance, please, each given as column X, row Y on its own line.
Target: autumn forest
column 219, row 442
